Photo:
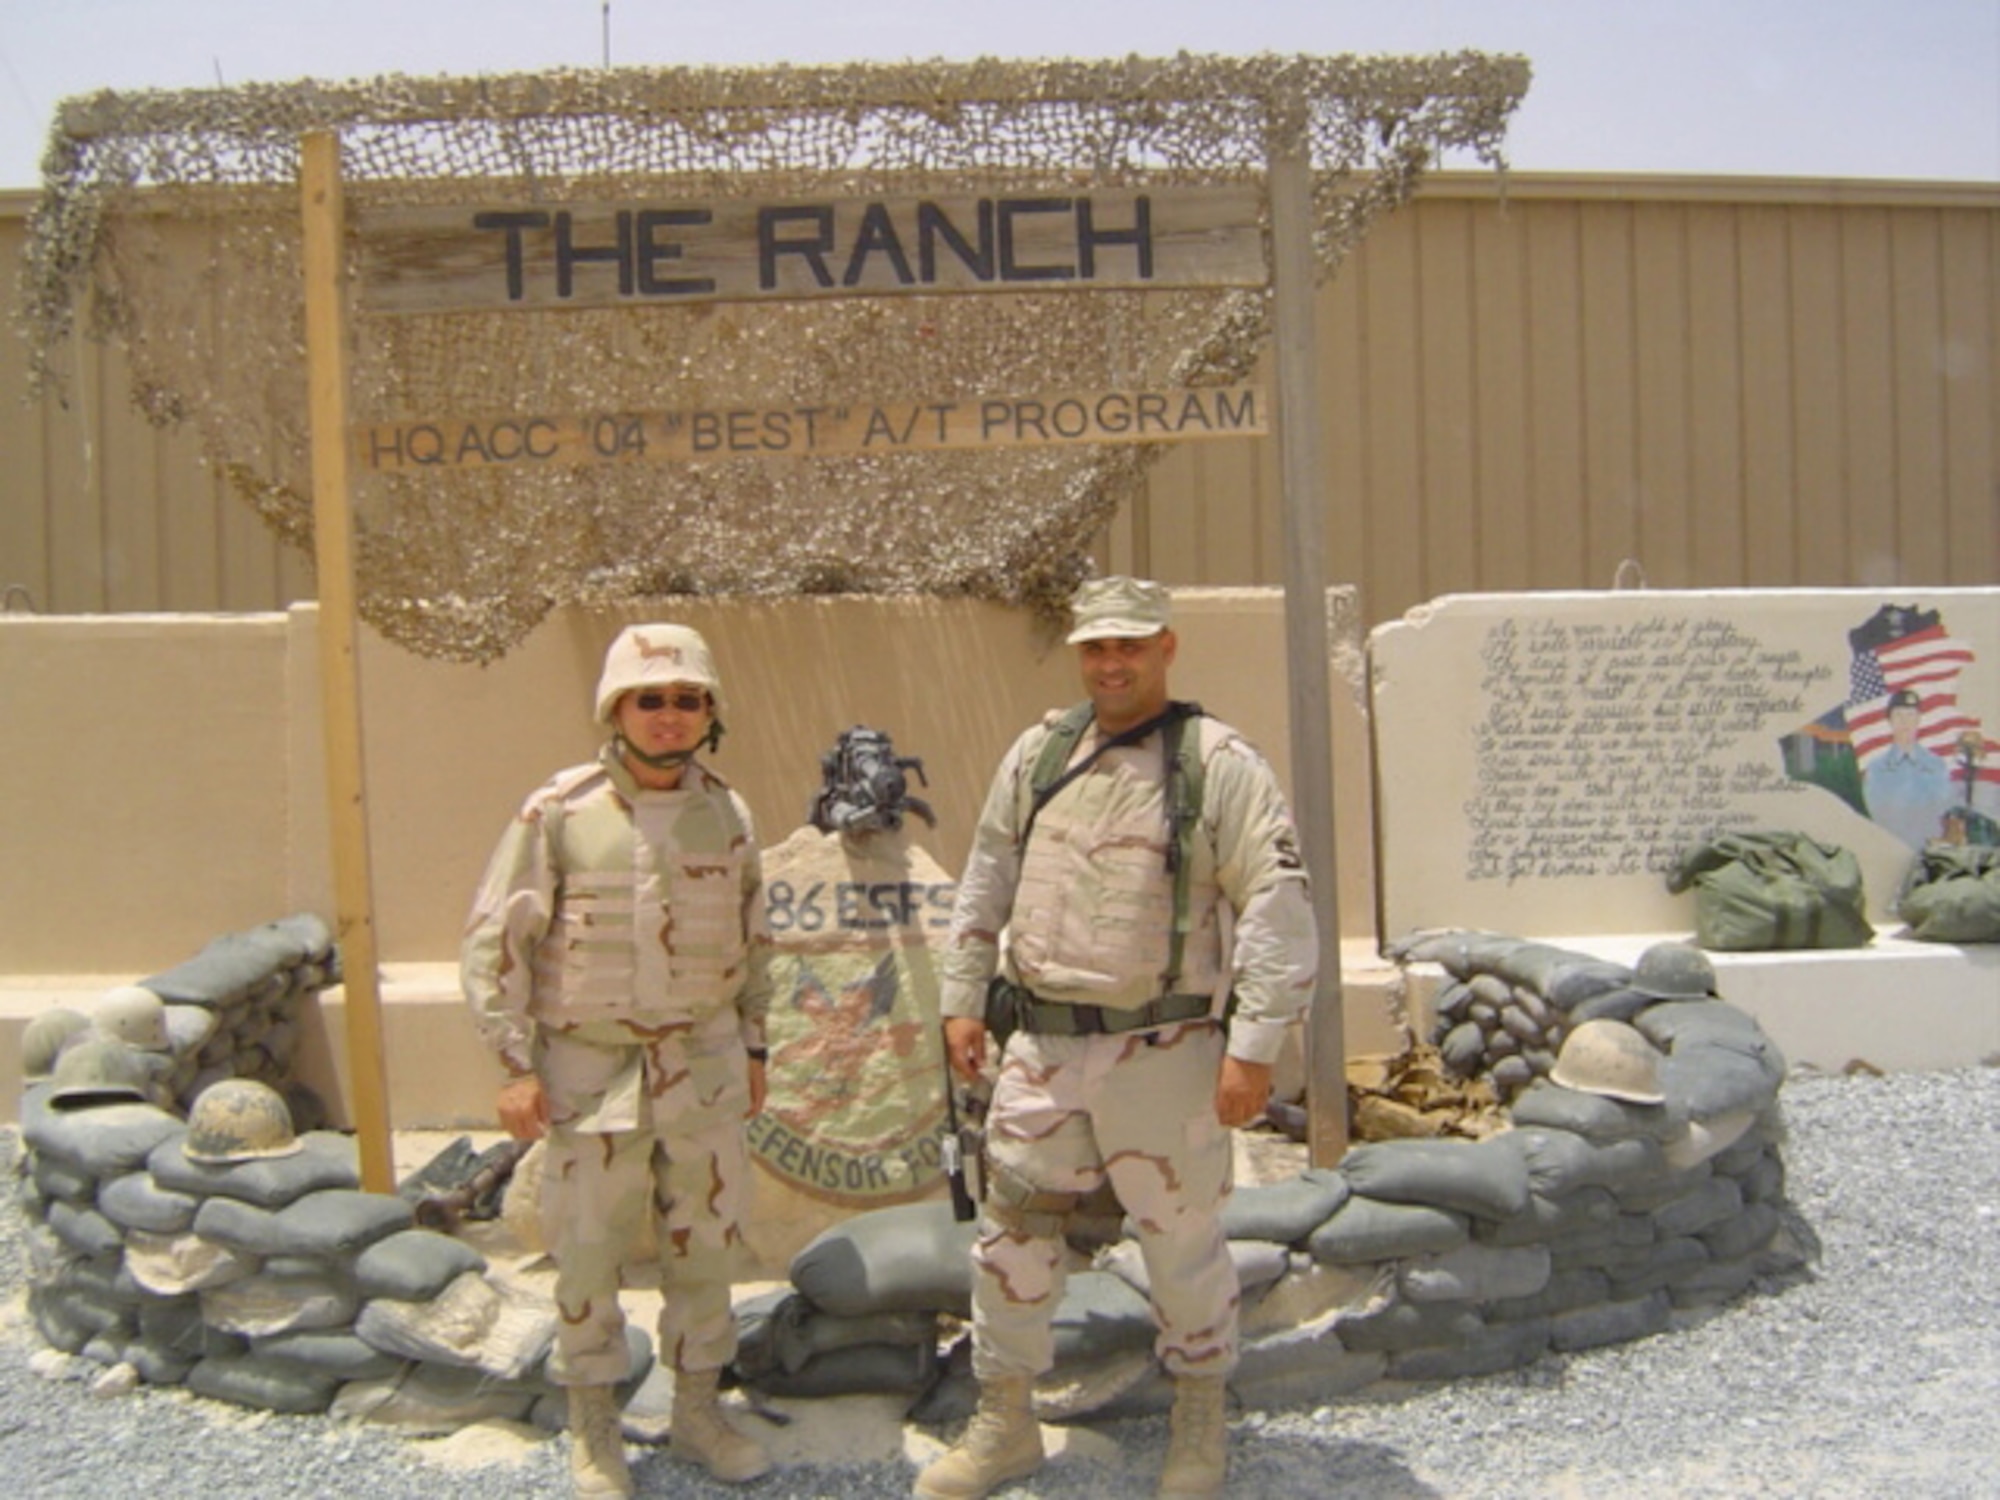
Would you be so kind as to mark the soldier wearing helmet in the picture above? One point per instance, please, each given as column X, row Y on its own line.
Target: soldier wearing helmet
column 617, row 962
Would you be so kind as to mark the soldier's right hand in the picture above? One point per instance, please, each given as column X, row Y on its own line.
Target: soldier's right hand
column 524, row 1108
column 965, row 1046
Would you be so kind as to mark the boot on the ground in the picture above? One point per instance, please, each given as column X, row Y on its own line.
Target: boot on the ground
column 596, row 1444
column 1003, row 1441
column 1198, row 1439
column 702, row 1434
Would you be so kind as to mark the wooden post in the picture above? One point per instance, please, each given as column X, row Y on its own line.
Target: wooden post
column 340, row 701
column 1307, row 654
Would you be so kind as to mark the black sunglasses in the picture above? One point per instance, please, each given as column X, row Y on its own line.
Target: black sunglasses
column 687, row 703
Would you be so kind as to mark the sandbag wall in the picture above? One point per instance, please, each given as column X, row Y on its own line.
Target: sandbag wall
column 1587, row 1221
column 272, row 1283
column 233, row 1010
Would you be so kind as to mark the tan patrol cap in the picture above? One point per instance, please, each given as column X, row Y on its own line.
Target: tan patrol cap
column 1119, row 608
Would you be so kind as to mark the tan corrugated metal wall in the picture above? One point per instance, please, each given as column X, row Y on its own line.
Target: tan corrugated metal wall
column 1728, row 382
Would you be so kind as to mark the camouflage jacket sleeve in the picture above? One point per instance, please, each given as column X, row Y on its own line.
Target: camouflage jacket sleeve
column 986, row 889
column 1275, row 953
column 510, row 916
column 753, row 1002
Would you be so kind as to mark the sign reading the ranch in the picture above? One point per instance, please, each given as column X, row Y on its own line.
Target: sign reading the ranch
column 457, row 259
column 806, row 431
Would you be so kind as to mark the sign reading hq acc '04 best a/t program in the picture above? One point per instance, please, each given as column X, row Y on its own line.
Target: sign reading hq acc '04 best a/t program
column 431, row 259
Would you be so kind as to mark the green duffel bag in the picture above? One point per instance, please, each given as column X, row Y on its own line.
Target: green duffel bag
column 1952, row 894
column 1773, row 890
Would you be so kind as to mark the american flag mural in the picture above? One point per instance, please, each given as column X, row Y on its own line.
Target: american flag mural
column 1900, row 649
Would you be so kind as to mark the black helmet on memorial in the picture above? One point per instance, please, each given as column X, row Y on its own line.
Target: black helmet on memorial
column 239, row 1119
column 1610, row 1058
column 99, row 1070
column 44, row 1039
column 1674, row 971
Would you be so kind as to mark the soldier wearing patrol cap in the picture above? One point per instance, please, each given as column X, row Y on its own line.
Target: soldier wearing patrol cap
column 1136, row 887
column 617, row 961
column 1907, row 786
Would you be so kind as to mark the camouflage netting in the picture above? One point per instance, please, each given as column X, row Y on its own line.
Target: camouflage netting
column 462, row 563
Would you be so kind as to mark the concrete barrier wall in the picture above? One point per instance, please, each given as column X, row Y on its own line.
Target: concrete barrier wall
column 163, row 778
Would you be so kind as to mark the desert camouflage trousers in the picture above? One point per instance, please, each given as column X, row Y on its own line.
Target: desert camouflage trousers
column 646, row 1145
column 1069, row 1115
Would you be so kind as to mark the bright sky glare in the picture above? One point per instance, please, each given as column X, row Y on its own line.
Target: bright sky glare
column 1788, row 88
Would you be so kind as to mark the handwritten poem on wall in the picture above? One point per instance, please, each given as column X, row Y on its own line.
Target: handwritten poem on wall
column 1609, row 749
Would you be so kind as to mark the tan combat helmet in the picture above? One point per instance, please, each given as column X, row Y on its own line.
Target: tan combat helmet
column 44, row 1038
column 1610, row 1058
column 656, row 656
column 1674, row 971
column 99, row 1070
column 239, row 1119
column 134, row 1015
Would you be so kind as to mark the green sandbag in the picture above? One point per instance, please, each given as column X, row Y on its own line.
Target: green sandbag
column 1773, row 890
column 1952, row 894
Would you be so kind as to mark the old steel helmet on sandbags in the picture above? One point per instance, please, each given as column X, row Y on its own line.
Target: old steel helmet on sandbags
column 1613, row 1059
column 99, row 1070
column 1674, row 971
column 655, row 656
column 134, row 1015
column 44, row 1038
column 239, row 1119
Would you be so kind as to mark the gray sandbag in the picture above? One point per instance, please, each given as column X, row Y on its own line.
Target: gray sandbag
column 332, row 1222
column 782, row 1332
column 55, row 1181
column 268, row 1303
column 1619, row 1003
column 1100, row 1315
column 324, row 1160
column 1714, row 1078
column 1559, row 1162
column 1476, row 1273
column 474, row 1323
column 1712, row 1285
column 104, row 1140
column 1717, row 1199
column 1409, row 1325
column 1670, row 1023
column 135, row 1201
column 1670, row 1261
column 1551, row 1218
column 271, row 1384
column 414, row 1265
column 84, row 1230
column 1742, row 1234
column 913, row 1257
column 1649, row 1194
column 1363, row 1229
column 1596, row 1117
column 860, row 1370
column 331, row 1351
column 1287, row 1211
column 1504, row 1346
column 1488, row 1178
column 158, row 1366
column 1563, row 1292
column 1609, row 1323
column 174, row 1324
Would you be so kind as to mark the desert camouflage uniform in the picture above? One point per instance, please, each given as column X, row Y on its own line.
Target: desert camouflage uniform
column 1086, row 910
column 617, row 949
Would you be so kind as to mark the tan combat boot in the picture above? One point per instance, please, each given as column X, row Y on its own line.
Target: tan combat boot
column 1002, row 1442
column 1197, row 1441
column 596, row 1444
column 701, row 1435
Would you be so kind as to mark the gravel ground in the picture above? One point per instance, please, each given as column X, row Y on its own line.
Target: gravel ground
column 1879, row 1372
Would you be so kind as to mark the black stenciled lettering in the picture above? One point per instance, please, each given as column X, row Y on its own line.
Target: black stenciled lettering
column 1011, row 268
column 877, row 237
column 426, row 445
column 541, row 427
column 1114, row 412
column 377, row 449
column 933, row 225
column 511, row 224
column 1242, row 414
column 1194, row 413
column 651, row 251
column 813, row 251
column 1139, row 236
column 471, row 441
column 569, row 254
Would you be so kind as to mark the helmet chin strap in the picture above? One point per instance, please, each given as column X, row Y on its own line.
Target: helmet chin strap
column 672, row 759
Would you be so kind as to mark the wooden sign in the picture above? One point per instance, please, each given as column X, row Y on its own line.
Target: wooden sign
column 459, row 258
column 811, row 431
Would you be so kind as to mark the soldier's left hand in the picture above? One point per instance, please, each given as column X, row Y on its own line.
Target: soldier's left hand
column 1242, row 1091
